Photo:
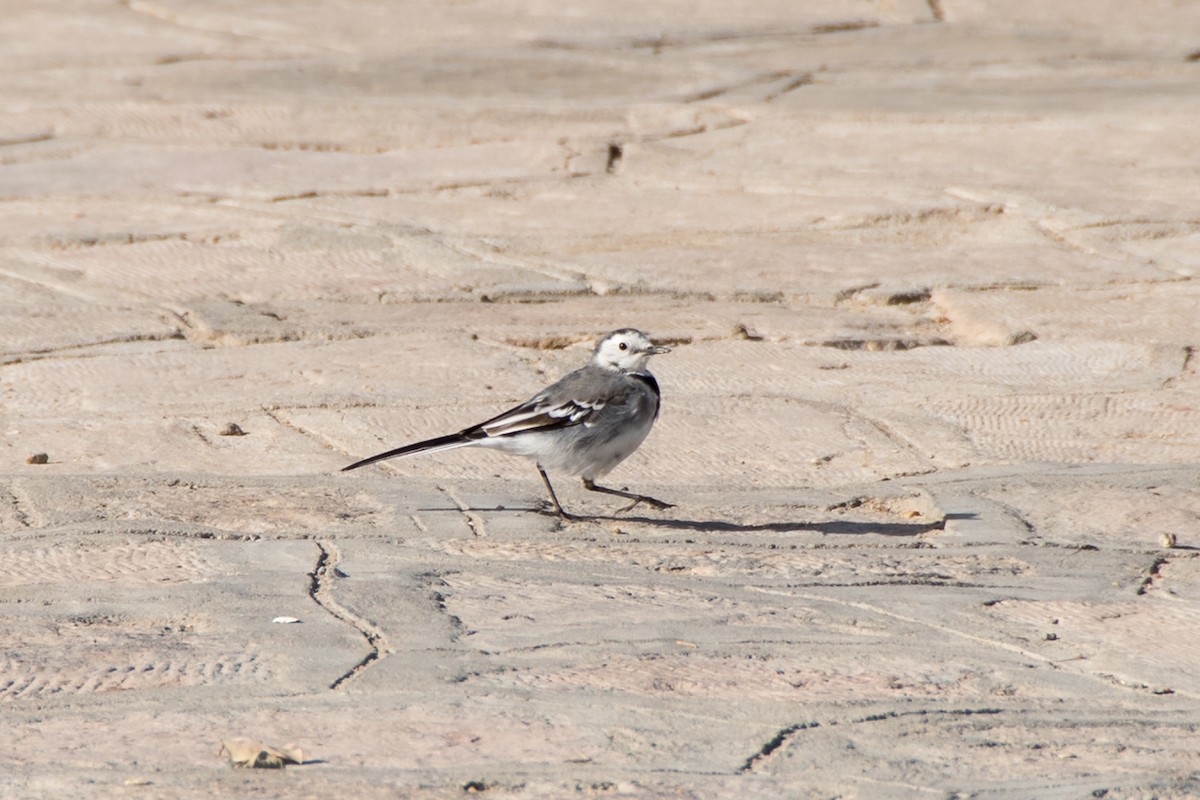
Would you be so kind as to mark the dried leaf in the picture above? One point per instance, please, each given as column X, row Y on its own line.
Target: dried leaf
column 247, row 753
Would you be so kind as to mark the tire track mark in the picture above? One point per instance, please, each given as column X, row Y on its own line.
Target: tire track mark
column 134, row 562
column 22, row 680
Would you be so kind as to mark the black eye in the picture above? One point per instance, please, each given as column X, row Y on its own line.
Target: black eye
column 623, row 346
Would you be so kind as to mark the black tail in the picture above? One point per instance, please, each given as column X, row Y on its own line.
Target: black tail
column 430, row 445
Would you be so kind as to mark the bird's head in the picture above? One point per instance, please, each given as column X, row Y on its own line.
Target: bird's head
column 626, row 350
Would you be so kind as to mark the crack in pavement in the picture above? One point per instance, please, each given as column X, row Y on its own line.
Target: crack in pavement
column 436, row 584
column 901, row 442
column 277, row 414
column 16, row 507
column 196, row 24
column 746, row 83
column 320, row 589
column 785, row 735
column 87, row 349
column 914, row 620
column 474, row 521
column 779, row 740
column 1151, row 574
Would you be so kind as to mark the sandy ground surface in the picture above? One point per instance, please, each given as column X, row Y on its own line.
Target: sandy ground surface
column 931, row 419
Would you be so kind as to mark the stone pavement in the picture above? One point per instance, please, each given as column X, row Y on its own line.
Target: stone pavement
column 931, row 421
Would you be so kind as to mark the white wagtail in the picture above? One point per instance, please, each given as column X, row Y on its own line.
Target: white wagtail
column 585, row 424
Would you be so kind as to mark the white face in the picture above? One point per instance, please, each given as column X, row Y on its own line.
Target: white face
column 626, row 350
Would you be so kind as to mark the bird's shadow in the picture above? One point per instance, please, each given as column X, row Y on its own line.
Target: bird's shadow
column 849, row 527
column 844, row 527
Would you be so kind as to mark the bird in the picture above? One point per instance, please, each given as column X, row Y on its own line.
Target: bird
column 585, row 424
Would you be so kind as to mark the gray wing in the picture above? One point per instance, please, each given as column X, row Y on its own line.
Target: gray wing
column 574, row 400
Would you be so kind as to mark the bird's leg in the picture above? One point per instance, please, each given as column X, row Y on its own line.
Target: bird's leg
column 636, row 498
column 553, row 497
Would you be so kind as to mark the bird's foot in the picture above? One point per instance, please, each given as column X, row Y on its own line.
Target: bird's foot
column 591, row 486
column 557, row 510
column 650, row 501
